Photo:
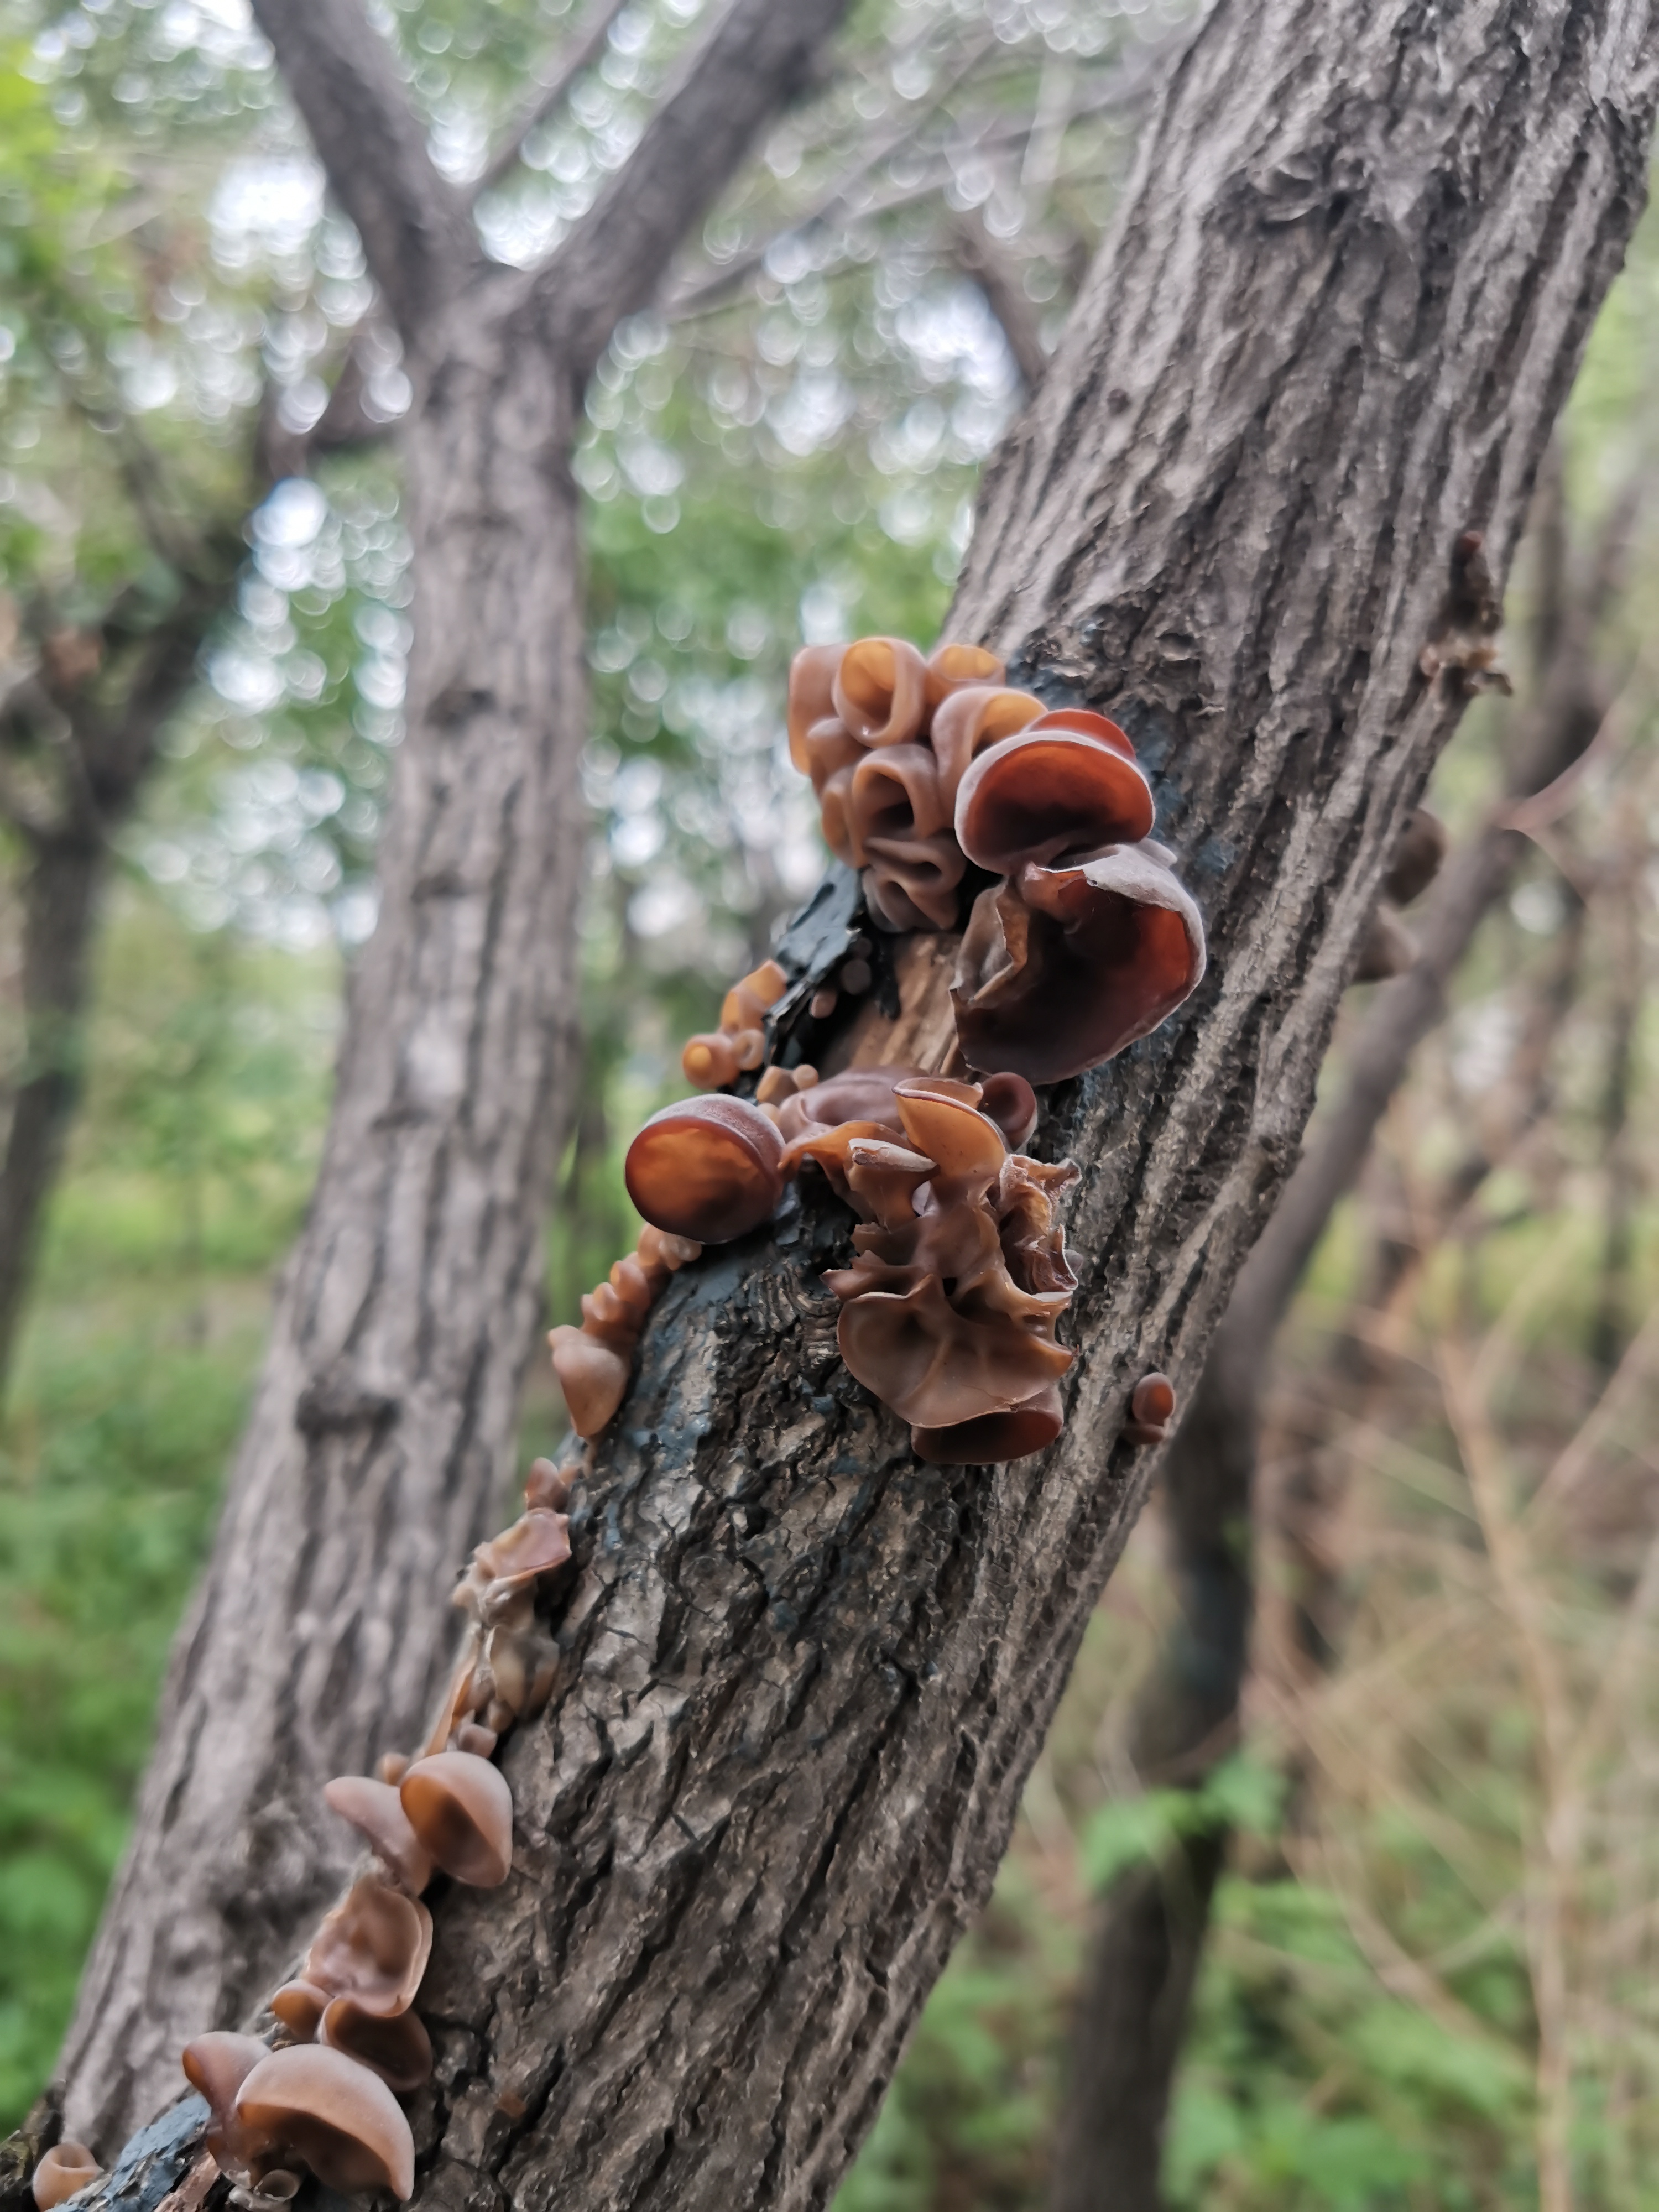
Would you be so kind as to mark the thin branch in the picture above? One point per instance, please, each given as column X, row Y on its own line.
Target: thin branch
column 996, row 272
column 344, row 79
column 580, row 53
column 760, row 53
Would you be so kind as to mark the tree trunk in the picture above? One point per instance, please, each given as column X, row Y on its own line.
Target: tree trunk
column 805, row 1675
column 60, row 896
column 379, row 1439
column 1132, row 2016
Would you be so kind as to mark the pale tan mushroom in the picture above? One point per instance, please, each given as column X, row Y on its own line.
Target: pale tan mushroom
column 217, row 2065
column 340, row 2119
column 376, row 1811
column 62, row 2173
column 461, row 1808
column 374, row 1945
column 300, row 2006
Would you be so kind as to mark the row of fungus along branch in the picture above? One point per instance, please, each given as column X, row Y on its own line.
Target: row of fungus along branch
column 319, row 2093
column 963, row 803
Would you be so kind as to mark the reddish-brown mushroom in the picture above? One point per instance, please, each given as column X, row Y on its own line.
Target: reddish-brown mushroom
column 592, row 1362
column 66, row 2169
column 399, row 2050
column 1061, row 967
column 1053, row 789
column 719, row 1056
column 709, row 1169
column 374, row 1945
column 375, row 1810
column 217, row 2065
column 317, row 2104
column 910, row 883
column 1029, row 1427
column 1151, row 1408
column 812, row 676
column 461, row 1808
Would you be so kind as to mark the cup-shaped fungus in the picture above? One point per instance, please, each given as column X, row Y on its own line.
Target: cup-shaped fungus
column 376, row 1811
column 989, row 1439
column 811, row 678
column 461, row 1809
column 880, row 690
column 374, row 1945
column 592, row 1362
column 65, row 2170
column 537, row 1543
column 399, row 2050
column 217, row 2065
column 1056, row 788
column 709, row 1169
column 300, row 2006
column 1151, row 1409
column 970, row 722
column 1061, row 967
column 318, row 2105
column 952, row 667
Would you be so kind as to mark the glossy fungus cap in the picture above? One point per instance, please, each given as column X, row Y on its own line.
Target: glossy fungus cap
column 812, row 675
column 341, row 2119
column 971, row 721
column 1048, row 792
column 1061, row 968
column 217, row 2065
column 461, row 1808
column 710, row 1169
column 880, row 690
column 936, row 1367
column 951, row 666
column 991, row 1438
column 64, row 2171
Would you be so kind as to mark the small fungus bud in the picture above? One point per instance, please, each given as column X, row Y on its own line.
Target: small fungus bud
column 1151, row 1408
column 391, row 1766
column 593, row 1377
column 336, row 2116
column 855, row 976
column 469, row 1736
column 461, row 1808
column 65, row 2170
column 823, row 1004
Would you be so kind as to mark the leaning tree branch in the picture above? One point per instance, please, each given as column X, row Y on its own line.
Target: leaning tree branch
column 996, row 272
column 579, row 51
column 344, row 81
column 759, row 55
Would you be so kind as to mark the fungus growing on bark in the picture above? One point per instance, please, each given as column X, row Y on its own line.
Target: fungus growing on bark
column 333, row 2114
column 376, row 1811
column 718, row 1057
column 372, row 1947
column 1062, row 966
column 398, row 2048
column 67, row 2168
column 300, row 2006
column 1069, row 783
column 217, row 2065
column 709, row 1169
column 1151, row 1409
column 949, row 1308
column 1389, row 947
column 880, row 691
column 592, row 1362
column 461, row 1808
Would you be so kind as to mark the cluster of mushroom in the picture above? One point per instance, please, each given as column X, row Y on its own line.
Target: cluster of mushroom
column 922, row 767
column 960, row 1275
column 325, row 2098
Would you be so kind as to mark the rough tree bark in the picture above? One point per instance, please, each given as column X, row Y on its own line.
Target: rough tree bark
column 1133, row 2010
column 379, row 1440
column 805, row 1676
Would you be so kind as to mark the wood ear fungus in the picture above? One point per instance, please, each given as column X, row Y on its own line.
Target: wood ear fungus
column 373, row 1946
column 461, row 1808
column 1053, row 789
column 398, row 2048
column 66, row 2169
column 1061, row 967
column 217, row 2065
column 718, row 1057
column 333, row 2114
column 376, row 1811
column 1151, row 1409
column 709, row 1169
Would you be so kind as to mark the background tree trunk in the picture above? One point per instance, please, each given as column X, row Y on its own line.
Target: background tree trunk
column 382, row 1429
column 1131, row 2015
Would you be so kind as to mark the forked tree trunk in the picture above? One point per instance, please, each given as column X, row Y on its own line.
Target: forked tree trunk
column 380, row 1437
column 805, row 1676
